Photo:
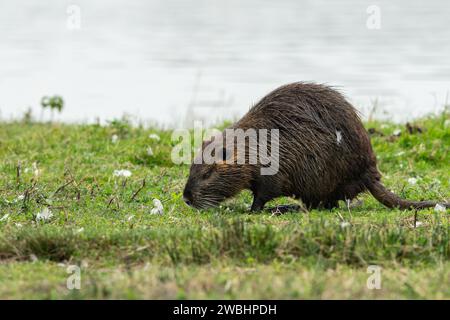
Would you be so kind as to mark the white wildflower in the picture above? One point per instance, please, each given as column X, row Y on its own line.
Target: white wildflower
column 80, row 230
column 19, row 198
column 149, row 151
column 158, row 207
column 130, row 217
column 122, row 173
column 439, row 208
column 36, row 170
column 114, row 138
column 44, row 215
column 418, row 223
column 154, row 136
column 412, row 181
column 338, row 136
column 5, row 217
column 397, row 132
column 18, row 225
column 345, row 224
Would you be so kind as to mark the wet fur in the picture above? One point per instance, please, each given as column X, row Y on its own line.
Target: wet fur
column 313, row 166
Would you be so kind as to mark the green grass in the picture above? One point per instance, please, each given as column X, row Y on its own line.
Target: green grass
column 103, row 223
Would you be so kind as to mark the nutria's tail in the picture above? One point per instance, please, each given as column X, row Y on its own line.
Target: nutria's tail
column 391, row 200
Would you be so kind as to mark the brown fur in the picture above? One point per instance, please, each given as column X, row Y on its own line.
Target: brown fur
column 313, row 166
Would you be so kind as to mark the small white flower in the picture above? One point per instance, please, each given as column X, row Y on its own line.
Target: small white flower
column 4, row 218
column 19, row 198
column 36, row 170
column 439, row 208
column 412, row 181
column 130, row 217
column 398, row 154
column 80, row 230
column 122, row 173
column 18, row 225
column 154, row 136
column 338, row 136
column 114, row 138
column 44, row 215
column 158, row 207
column 345, row 224
column 418, row 223
column 397, row 132
column 149, row 151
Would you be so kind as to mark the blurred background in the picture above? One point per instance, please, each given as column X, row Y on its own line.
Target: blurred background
column 171, row 61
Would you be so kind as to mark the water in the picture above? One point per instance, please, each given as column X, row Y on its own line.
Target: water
column 173, row 61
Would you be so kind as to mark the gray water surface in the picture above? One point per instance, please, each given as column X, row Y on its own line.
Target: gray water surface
column 178, row 60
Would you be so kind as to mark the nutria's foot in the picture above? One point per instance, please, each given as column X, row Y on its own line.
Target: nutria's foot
column 257, row 205
column 259, row 201
column 278, row 210
column 330, row 205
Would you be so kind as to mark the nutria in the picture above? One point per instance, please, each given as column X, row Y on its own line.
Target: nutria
column 325, row 155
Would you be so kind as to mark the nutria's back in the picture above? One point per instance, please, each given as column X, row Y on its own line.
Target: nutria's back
column 325, row 154
column 323, row 144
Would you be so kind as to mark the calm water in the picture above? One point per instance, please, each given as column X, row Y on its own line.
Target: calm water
column 171, row 61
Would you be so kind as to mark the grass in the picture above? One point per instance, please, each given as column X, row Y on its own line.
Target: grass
column 103, row 224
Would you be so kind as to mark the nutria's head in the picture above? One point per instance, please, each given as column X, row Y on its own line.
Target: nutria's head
column 211, row 183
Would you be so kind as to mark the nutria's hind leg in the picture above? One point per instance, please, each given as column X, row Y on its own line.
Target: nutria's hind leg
column 322, row 205
column 330, row 205
column 311, row 204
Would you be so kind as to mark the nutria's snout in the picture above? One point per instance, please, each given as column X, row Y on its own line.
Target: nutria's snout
column 187, row 201
column 192, row 195
column 207, row 185
column 187, row 196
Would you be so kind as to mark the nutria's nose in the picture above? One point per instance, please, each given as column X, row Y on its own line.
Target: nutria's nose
column 187, row 197
column 188, row 202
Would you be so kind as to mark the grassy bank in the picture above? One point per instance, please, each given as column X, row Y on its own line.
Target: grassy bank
column 103, row 223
